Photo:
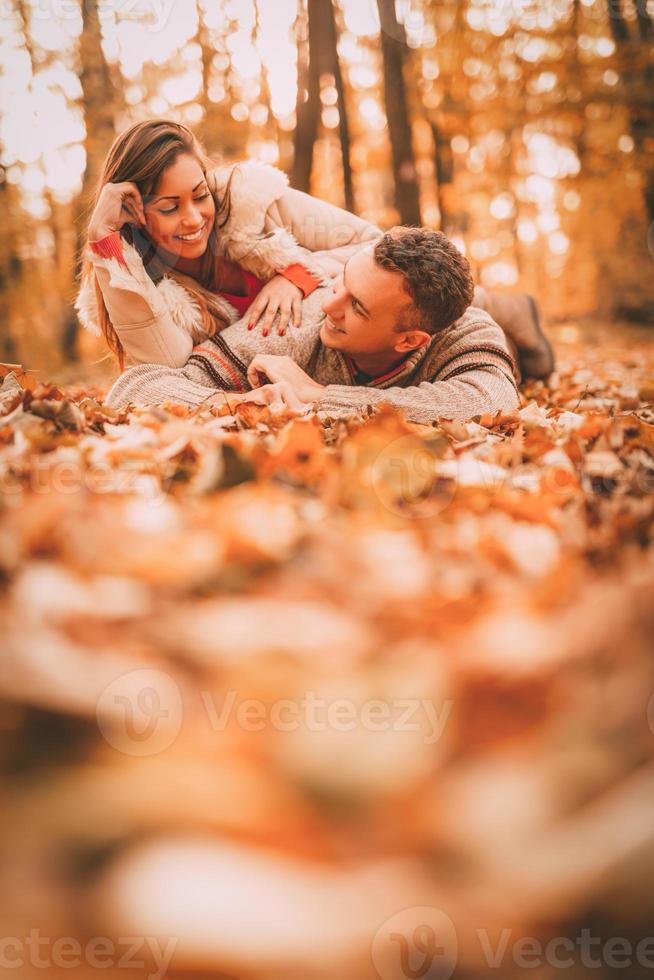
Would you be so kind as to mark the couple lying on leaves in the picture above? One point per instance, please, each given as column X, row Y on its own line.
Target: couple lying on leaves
column 217, row 280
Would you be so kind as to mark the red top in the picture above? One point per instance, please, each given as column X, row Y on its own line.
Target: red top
column 111, row 247
column 253, row 287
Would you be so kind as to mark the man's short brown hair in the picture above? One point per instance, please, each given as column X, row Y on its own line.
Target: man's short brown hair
column 436, row 275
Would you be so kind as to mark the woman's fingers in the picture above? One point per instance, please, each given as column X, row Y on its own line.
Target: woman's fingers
column 297, row 312
column 132, row 201
column 285, row 312
column 137, row 203
column 134, row 207
column 269, row 315
column 129, row 206
column 254, row 313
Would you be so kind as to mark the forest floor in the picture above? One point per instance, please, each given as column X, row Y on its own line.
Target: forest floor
column 497, row 575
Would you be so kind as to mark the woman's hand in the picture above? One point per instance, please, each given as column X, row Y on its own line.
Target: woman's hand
column 277, row 296
column 117, row 205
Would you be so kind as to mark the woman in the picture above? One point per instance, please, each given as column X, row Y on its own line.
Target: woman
column 179, row 249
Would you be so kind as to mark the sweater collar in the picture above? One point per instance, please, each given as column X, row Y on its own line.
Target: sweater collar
column 404, row 368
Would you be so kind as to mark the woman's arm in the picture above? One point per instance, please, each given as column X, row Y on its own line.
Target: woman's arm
column 140, row 315
column 329, row 235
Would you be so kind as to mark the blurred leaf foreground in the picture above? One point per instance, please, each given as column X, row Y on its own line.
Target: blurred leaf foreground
column 285, row 698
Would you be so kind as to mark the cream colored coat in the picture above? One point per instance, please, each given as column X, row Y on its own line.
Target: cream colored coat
column 270, row 227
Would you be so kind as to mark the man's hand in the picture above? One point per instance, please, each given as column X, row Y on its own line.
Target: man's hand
column 284, row 370
column 278, row 397
column 277, row 296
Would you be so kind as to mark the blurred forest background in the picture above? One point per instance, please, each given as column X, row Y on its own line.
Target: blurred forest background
column 525, row 130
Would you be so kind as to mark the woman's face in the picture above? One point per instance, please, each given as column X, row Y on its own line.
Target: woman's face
column 180, row 213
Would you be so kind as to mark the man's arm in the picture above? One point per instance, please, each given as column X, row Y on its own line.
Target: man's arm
column 468, row 371
column 219, row 363
column 478, row 391
column 152, row 384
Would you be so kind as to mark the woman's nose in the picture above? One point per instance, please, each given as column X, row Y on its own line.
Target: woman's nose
column 192, row 216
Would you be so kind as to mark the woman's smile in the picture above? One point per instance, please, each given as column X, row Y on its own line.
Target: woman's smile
column 192, row 236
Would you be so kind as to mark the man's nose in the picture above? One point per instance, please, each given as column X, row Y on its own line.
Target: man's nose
column 333, row 305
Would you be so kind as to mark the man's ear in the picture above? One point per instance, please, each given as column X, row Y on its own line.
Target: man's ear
column 411, row 340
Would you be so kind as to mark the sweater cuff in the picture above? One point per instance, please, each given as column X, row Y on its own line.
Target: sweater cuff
column 348, row 399
column 109, row 247
column 300, row 277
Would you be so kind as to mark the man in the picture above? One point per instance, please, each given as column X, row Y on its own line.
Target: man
column 395, row 328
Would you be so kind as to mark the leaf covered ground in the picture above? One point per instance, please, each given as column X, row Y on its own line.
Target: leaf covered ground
column 260, row 669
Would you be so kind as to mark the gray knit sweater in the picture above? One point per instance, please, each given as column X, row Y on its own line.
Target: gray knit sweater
column 464, row 371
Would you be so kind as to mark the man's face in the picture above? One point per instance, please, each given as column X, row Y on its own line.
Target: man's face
column 363, row 312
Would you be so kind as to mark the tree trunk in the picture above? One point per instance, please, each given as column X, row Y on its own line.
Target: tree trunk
column 10, row 273
column 638, row 85
column 316, row 58
column 617, row 23
column 343, row 123
column 444, row 164
column 99, row 114
column 307, row 108
column 644, row 21
column 394, row 49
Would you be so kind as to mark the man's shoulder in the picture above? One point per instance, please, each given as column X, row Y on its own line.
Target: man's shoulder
column 475, row 326
column 475, row 333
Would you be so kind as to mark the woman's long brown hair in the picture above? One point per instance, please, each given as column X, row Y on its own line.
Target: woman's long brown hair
column 140, row 155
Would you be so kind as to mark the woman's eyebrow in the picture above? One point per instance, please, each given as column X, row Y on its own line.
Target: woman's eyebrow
column 354, row 298
column 175, row 197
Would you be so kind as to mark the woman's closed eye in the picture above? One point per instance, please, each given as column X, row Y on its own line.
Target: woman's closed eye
column 172, row 210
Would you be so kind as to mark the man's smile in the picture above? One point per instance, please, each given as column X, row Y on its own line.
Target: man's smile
column 332, row 327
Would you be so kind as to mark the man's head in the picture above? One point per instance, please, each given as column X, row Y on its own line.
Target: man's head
column 394, row 295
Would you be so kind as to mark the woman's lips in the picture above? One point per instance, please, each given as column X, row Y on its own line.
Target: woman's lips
column 192, row 236
column 330, row 326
